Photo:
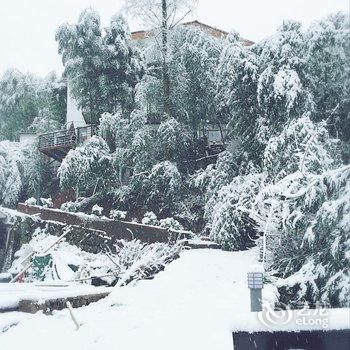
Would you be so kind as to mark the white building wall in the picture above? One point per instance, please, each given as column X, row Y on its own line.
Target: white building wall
column 27, row 138
column 73, row 113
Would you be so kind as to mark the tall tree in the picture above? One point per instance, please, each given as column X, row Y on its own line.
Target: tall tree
column 26, row 99
column 327, row 48
column 102, row 68
column 123, row 66
column 162, row 16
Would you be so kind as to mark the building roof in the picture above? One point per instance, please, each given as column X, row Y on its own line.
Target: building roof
column 215, row 32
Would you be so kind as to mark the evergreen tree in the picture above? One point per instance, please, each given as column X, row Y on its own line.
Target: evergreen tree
column 327, row 49
column 92, row 162
column 283, row 82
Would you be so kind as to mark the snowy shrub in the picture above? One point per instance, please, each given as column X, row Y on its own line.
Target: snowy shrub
column 117, row 214
column 159, row 189
column 173, row 139
column 164, row 185
column 30, row 201
column 46, row 202
column 170, row 223
column 87, row 167
column 231, row 226
column 308, row 235
column 150, row 218
column 71, row 207
column 147, row 260
column 213, row 178
column 96, row 210
column 303, row 146
column 119, row 131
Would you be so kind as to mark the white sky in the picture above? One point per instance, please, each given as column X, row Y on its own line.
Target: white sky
column 27, row 27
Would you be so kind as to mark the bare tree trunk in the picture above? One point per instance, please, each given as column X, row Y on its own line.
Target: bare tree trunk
column 166, row 76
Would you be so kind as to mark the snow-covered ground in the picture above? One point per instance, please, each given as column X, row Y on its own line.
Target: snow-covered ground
column 194, row 304
column 12, row 293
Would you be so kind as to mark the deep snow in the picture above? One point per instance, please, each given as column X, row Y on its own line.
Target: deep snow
column 194, row 304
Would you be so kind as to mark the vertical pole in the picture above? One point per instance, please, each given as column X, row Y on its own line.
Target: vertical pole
column 255, row 300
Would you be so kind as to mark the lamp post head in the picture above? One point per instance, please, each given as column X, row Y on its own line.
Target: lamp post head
column 255, row 280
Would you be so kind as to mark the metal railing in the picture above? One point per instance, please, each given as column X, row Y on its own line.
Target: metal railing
column 67, row 137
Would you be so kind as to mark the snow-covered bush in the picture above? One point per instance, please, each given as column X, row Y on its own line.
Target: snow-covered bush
column 231, row 225
column 303, row 146
column 46, row 202
column 87, row 167
column 117, row 214
column 164, row 185
column 148, row 260
column 150, row 218
column 96, row 210
column 71, row 207
column 210, row 180
column 30, row 201
column 173, row 139
column 170, row 223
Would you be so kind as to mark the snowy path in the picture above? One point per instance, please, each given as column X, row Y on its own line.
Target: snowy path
column 188, row 306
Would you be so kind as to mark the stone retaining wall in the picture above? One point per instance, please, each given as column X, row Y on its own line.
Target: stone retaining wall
column 113, row 228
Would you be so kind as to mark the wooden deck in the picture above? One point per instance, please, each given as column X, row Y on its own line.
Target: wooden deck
column 57, row 144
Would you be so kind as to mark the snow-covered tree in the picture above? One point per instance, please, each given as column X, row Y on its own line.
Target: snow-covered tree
column 158, row 189
column 102, row 70
column 82, row 55
column 327, row 49
column 236, row 92
column 283, row 92
column 173, row 140
column 123, row 66
column 25, row 98
column 11, row 172
column 194, row 60
column 87, row 168
column 161, row 16
column 302, row 146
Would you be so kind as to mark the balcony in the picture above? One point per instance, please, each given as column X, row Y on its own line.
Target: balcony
column 57, row 144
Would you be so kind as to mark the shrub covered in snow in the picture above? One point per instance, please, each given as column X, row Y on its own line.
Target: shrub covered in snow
column 70, row 207
column 46, row 202
column 150, row 218
column 117, row 214
column 30, row 201
column 87, row 167
column 170, row 223
column 96, row 210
